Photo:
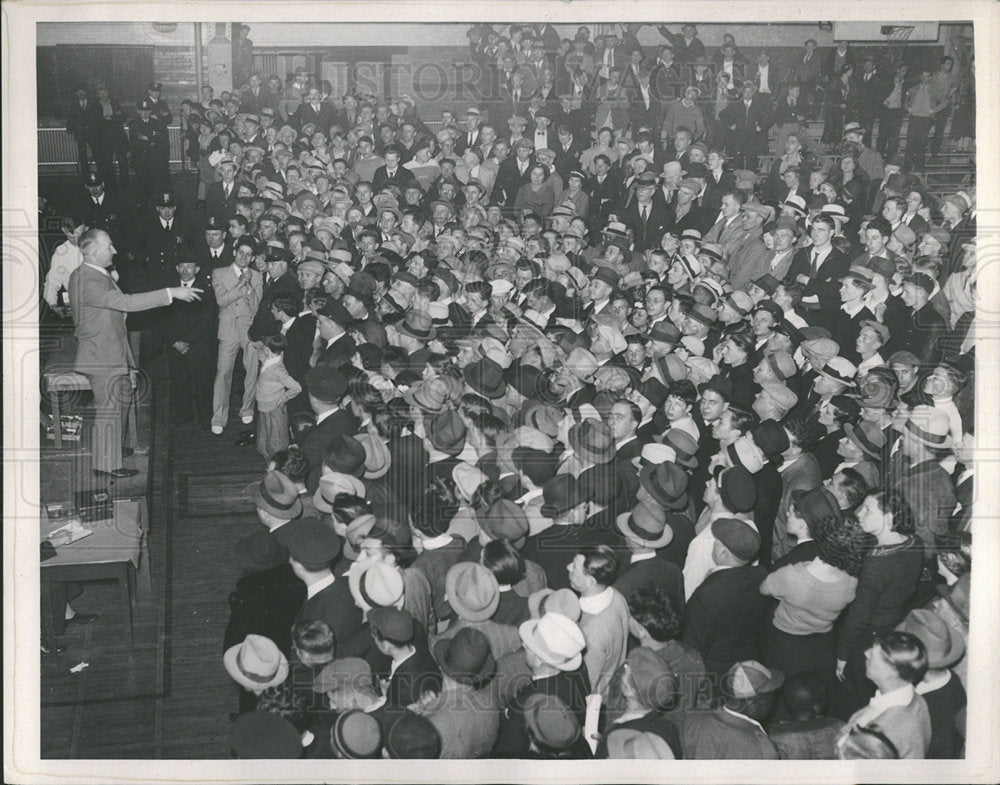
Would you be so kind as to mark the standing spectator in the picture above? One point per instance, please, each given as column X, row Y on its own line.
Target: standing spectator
column 112, row 144
column 150, row 152
column 275, row 388
column 945, row 81
column 189, row 343
column 82, row 124
column 747, row 120
column 923, row 102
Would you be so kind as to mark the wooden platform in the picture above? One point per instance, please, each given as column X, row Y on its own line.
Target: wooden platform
column 171, row 699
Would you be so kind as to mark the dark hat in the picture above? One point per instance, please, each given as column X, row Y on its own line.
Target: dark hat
column 768, row 283
column 646, row 178
column 904, row 358
column 536, row 464
column 326, row 384
column 551, row 722
column 154, row 87
column 392, row 623
column 413, row 737
column 311, row 543
column 609, row 276
column 922, row 280
column 666, row 483
column 771, row 438
column 654, row 391
column 771, row 307
column 466, row 657
column 93, row 180
column 485, row 377
column 262, row 735
column 446, row 432
column 737, row 489
column 213, row 224
column 868, row 437
column 720, row 384
column 665, row 332
column 702, row 314
column 164, row 200
column 145, row 104
column 593, row 441
column 504, row 519
column 345, row 454
column 563, row 492
column 738, row 537
column 816, row 504
column 356, row 735
column 697, row 169
column 334, row 310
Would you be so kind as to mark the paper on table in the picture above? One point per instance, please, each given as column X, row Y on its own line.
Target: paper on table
column 70, row 533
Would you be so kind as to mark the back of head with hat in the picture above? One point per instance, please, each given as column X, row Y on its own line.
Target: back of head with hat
column 262, row 735
column 551, row 724
column 412, row 736
column 749, row 678
column 311, row 543
column 472, row 591
column 738, row 537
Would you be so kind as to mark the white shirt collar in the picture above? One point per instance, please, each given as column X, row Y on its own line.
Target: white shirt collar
column 744, row 717
column 597, row 602
column 901, row 696
column 315, row 588
column 324, row 415
column 440, row 541
column 101, row 270
column 637, row 557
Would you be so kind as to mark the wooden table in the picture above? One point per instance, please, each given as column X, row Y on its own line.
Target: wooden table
column 117, row 549
column 59, row 377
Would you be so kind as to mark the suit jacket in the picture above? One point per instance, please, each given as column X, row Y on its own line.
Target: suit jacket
column 113, row 215
column 158, row 250
column 749, row 258
column 726, row 235
column 720, row 735
column 648, row 233
column 236, row 305
column 509, row 180
column 300, row 346
column 336, row 607
column 714, row 189
column 724, row 617
column 402, row 178
column 467, row 721
column 338, row 353
column 323, row 118
column 415, row 675
column 319, row 438
column 643, row 115
column 99, row 309
column 218, row 205
column 825, row 285
column 193, row 322
column 263, row 322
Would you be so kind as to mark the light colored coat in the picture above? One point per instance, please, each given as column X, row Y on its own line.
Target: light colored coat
column 237, row 307
column 606, row 634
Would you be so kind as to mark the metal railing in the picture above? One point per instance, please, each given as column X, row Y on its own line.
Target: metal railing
column 57, row 147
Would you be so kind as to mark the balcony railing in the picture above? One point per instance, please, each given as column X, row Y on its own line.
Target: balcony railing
column 57, row 147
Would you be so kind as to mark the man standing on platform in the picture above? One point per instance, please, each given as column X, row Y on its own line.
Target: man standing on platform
column 102, row 353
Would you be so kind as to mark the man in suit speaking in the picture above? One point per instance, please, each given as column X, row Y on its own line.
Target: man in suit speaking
column 102, row 353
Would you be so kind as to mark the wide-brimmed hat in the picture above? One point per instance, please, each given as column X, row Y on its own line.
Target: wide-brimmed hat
column 428, row 395
column 356, row 735
column 563, row 492
column 684, row 445
column 928, row 426
column 419, row 325
column 486, row 377
column 551, row 722
column 264, row 736
column 632, row 744
column 562, row 601
column 868, row 437
column 666, row 483
column 256, row 663
column 840, row 369
column 472, row 591
column 593, row 441
column 311, row 543
column 944, row 645
column 276, row 494
column 555, row 639
column 376, row 585
column 505, row 520
column 378, row 460
column 466, row 657
column 646, row 525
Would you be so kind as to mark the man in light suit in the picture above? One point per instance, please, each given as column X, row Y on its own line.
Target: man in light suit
column 102, row 353
column 238, row 290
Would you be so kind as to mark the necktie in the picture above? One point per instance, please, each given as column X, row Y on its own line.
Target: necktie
column 645, row 213
column 815, row 263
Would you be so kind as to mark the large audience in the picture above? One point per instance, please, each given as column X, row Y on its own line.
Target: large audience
column 588, row 431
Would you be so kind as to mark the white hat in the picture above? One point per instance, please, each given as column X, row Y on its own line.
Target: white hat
column 556, row 640
column 467, row 478
column 256, row 664
column 376, row 585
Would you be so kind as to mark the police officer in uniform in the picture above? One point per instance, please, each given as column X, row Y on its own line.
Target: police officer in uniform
column 150, row 150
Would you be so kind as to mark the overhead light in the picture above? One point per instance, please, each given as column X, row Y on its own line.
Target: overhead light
column 164, row 27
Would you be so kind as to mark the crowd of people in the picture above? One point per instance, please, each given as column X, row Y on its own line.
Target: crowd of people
column 581, row 438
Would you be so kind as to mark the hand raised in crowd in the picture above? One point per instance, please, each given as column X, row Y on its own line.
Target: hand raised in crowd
column 185, row 294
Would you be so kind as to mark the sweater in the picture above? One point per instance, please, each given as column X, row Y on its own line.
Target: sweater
column 807, row 604
column 606, row 633
column 723, row 735
column 887, row 580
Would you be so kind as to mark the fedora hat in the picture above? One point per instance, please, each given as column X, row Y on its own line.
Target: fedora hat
column 551, row 722
column 666, row 483
column 593, row 441
column 653, row 454
column 376, row 585
column 563, row 492
column 256, row 663
column 632, row 744
column 259, row 551
column 646, row 525
column 356, row 735
column 472, row 591
column 356, row 531
column 333, row 483
column 485, row 377
column 929, row 426
column 419, row 325
column 311, row 543
column 446, row 432
column 377, row 457
column 685, row 447
column 505, row 520
column 277, row 495
column 428, row 395
column 840, row 370
column 868, row 437
column 944, row 646
column 555, row 639
column 466, row 657
column 562, row 601
column 582, row 363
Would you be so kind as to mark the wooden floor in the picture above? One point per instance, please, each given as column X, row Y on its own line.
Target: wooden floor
column 171, row 698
